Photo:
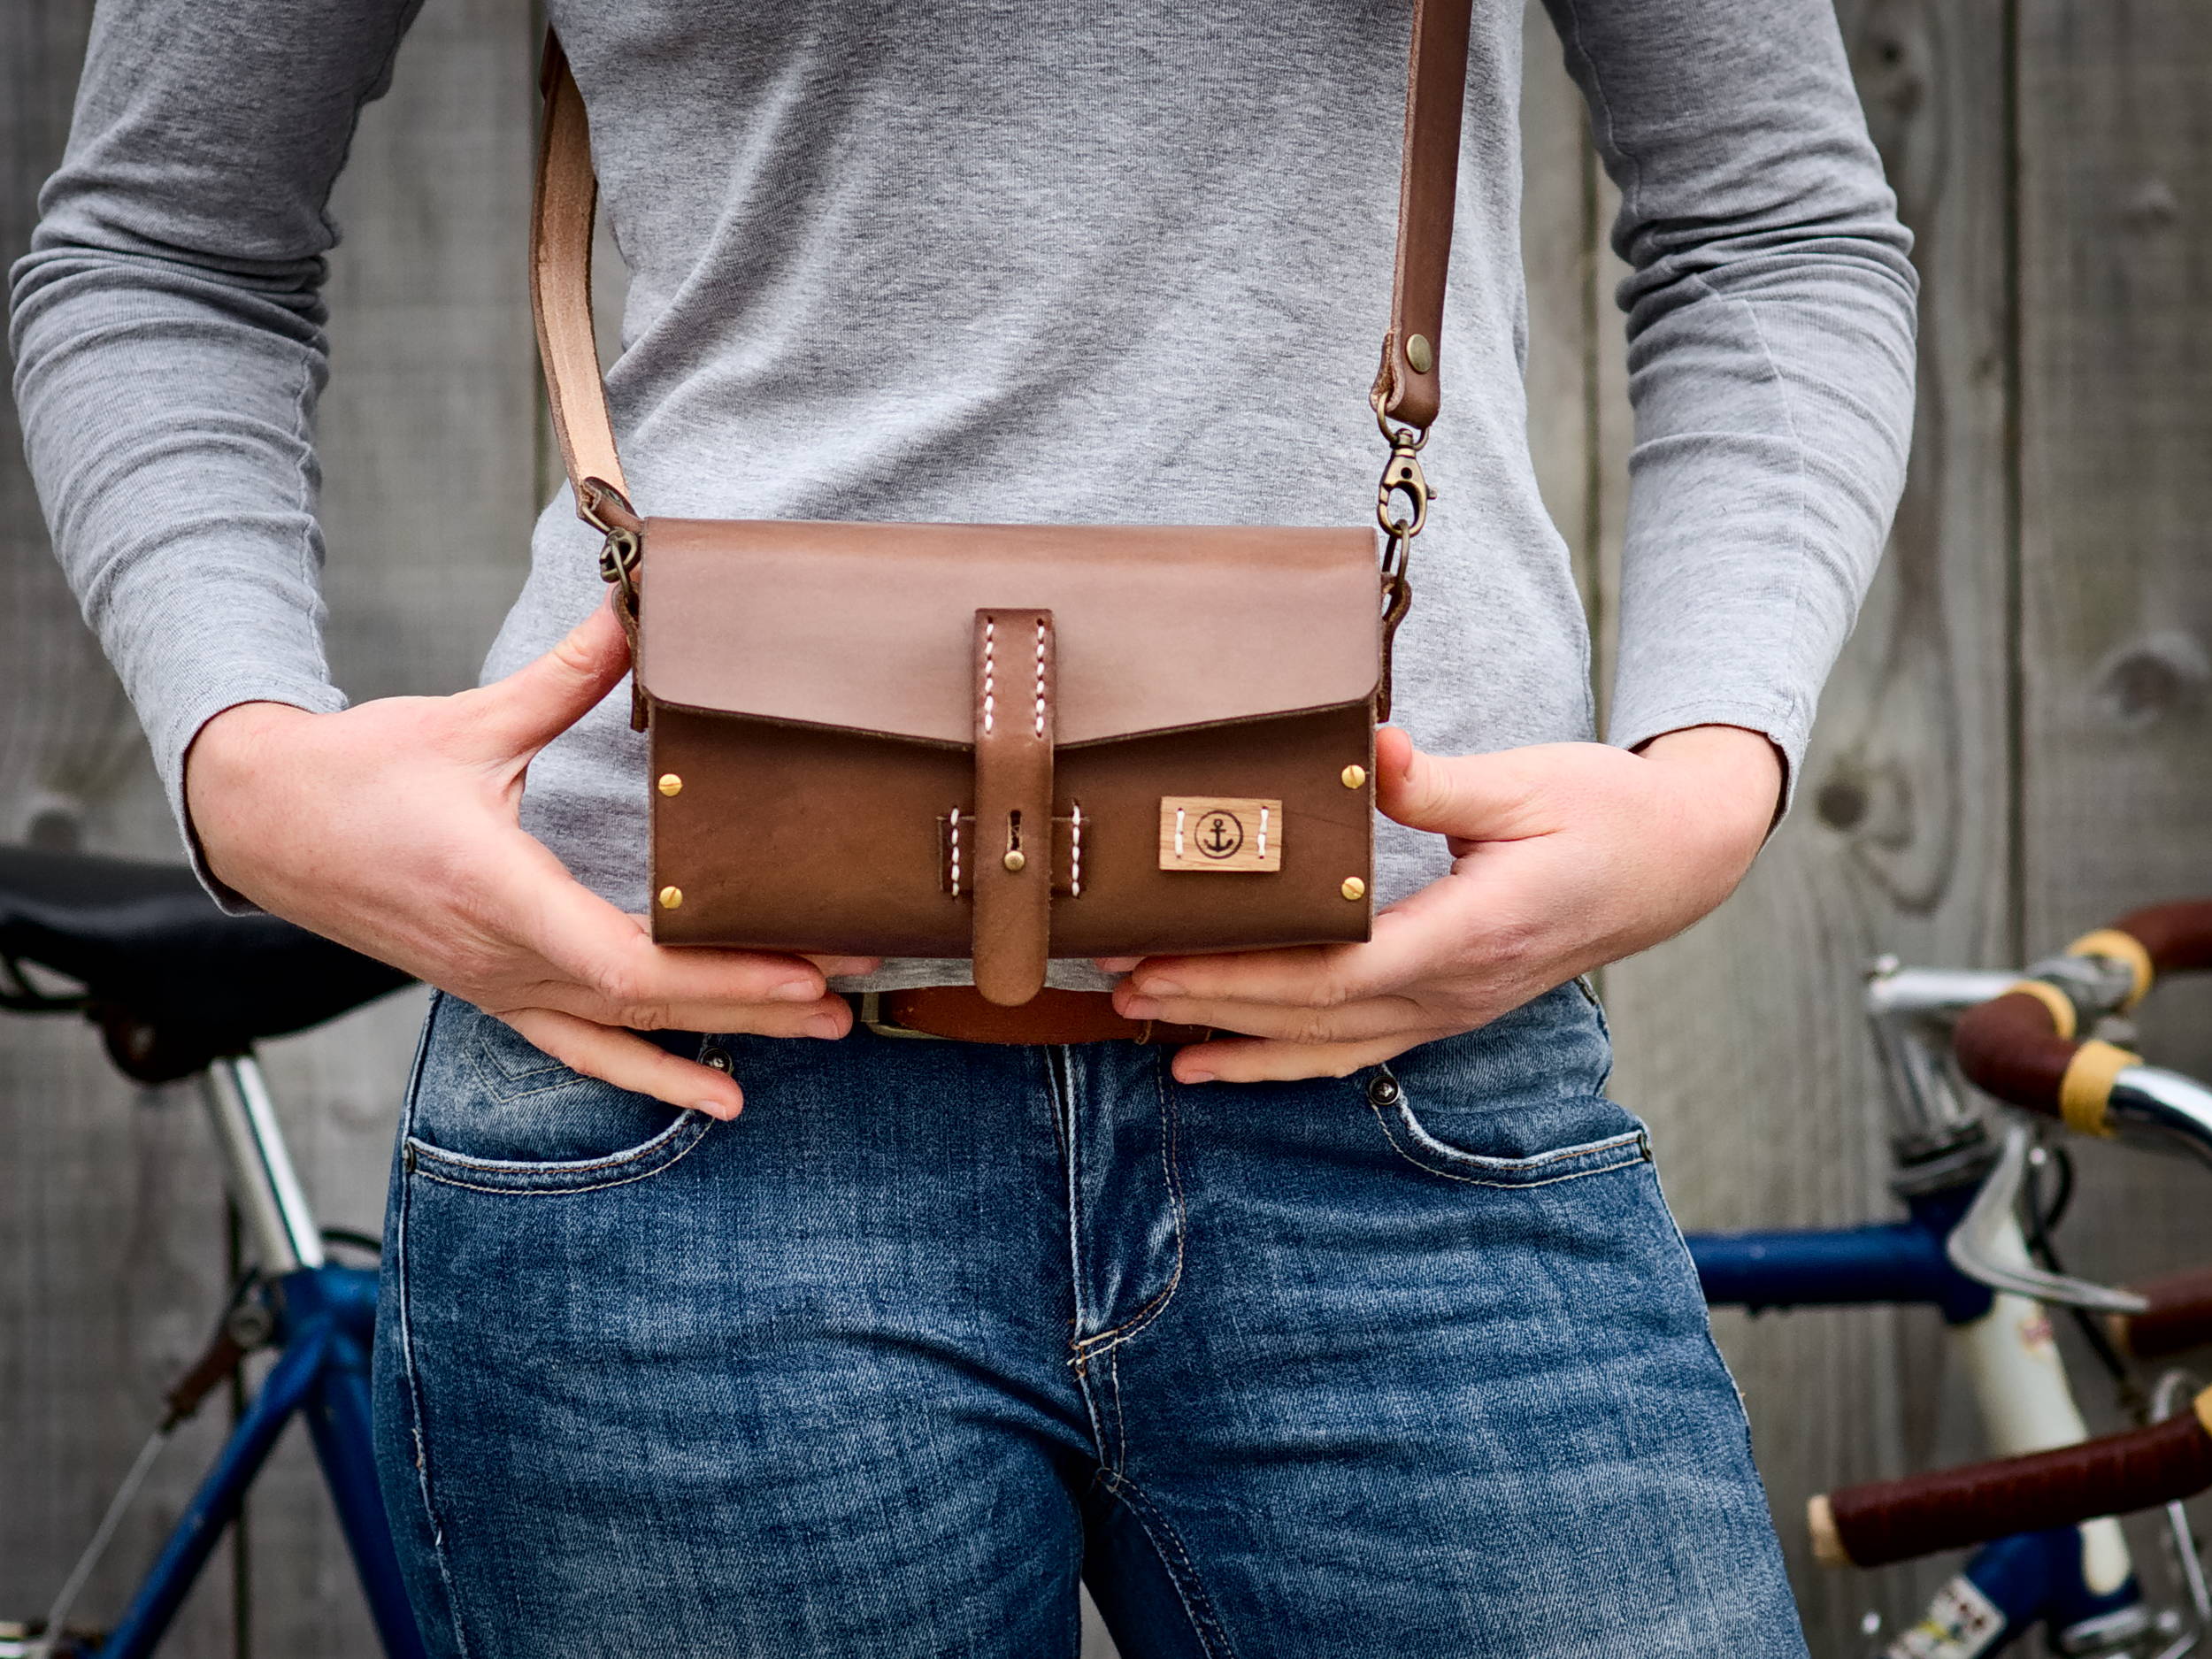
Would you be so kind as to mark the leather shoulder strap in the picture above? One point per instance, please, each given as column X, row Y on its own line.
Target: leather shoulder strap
column 1406, row 388
column 561, row 211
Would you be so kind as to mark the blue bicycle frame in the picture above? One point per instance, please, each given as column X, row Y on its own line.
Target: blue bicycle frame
column 2014, row 1583
column 324, row 1317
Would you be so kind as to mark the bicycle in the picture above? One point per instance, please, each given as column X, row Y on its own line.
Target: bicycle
column 2061, row 1563
column 180, row 990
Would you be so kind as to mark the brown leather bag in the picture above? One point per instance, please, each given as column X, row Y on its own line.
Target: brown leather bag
column 1009, row 743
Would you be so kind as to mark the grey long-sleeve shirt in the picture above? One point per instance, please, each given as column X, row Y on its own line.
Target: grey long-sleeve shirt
column 934, row 260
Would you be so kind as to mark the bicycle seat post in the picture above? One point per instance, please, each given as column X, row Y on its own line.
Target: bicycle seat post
column 262, row 1183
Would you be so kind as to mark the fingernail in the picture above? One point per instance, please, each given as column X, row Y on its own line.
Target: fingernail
column 823, row 1025
column 796, row 991
column 1140, row 1008
column 720, row 1108
column 1116, row 964
column 1195, row 1076
column 1161, row 988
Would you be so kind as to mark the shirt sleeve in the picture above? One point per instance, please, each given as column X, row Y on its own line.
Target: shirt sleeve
column 168, row 329
column 1770, row 327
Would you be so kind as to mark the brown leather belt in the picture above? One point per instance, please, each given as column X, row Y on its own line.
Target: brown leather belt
column 959, row 1013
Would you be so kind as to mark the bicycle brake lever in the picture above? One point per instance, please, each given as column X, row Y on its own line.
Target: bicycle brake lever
column 1984, row 1246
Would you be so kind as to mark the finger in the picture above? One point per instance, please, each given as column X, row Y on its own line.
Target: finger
column 593, row 946
column 1246, row 1060
column 827, row 1017
column 1474, row 797
column 1409, row 941
column 628, row 1062
column 516, row 717
column 844, row 967
column 1361, row 1021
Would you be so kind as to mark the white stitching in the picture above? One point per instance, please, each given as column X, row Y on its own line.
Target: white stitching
column 1075, row 876
column 1106, row 1341
column 955, row 850
column 427, row 1154
column 1633, row 1137
column 990, row 633
column 1041, row 676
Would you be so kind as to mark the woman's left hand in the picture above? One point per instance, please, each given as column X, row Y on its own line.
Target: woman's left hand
column 1565, row 857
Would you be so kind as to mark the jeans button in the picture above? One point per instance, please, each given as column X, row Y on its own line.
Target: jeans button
column 718, row 1057
column 1384, row 1090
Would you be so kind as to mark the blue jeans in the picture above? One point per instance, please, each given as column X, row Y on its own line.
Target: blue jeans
column 1408, row 1364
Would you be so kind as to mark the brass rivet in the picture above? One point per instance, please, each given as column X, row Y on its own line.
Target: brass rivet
column 1420, row 354
column 1354, row 888
column 671, row 784
column 1354, row 776
column 670, row 897
column 1015, row 861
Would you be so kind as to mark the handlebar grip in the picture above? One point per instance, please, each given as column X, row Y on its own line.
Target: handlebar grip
column 2171, row 937
column 2020, row 1046
column 2179, row 1316
column 2178, row 935
column 1884, row 1521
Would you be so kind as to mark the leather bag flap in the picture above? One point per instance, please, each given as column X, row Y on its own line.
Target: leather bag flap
column 870, row 626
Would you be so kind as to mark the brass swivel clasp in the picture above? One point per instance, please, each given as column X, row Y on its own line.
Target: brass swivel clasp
column 1401, row 476
column 618, row 559
column 1401, row 508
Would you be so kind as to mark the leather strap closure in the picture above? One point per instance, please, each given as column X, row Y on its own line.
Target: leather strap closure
column 1406, row 389
column 1014, row 697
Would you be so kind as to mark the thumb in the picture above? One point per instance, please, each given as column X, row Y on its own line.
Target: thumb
column 521, row 714
column 1468, row 797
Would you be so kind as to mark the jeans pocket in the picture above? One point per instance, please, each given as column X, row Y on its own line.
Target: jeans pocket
column 1574, row 1156
column 562, row 1175
column 493, row 1112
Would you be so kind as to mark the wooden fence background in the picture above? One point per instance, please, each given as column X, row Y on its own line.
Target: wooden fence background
column 2015, row 747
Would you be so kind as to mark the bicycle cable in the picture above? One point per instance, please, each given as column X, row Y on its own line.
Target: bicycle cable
column 2041, row 1219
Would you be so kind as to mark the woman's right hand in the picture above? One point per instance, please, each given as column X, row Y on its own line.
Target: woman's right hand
column 393, row 827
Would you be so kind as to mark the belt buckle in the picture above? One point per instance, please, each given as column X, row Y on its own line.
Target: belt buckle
column 870, row 1008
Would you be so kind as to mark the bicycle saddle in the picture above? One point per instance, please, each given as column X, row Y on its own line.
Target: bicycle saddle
column 171, row 981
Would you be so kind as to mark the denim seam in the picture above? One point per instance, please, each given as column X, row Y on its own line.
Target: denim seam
column 1121, row 1417
column 407, row 1366
column 499, row 1083
column 1182, row 1572
column 525, row 1172
column 1101, row 1340
column 1635, row 1137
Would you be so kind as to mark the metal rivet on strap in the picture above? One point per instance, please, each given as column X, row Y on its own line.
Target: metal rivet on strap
column 671, row 784
column 1015, row 861
column 670, row 897
column 1420, row 354
column 1354, row 888
column 1353, row 776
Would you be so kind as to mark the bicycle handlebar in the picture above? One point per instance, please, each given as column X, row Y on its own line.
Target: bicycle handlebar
column 1885, row 1521
column 2022, row 1047
column 2179, row 1316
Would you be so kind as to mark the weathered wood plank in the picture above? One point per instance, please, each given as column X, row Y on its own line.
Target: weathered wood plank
column 2115, row 594
column 1741, row 1040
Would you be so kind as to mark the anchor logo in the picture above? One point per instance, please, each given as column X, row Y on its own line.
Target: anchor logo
column 1219, row 835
